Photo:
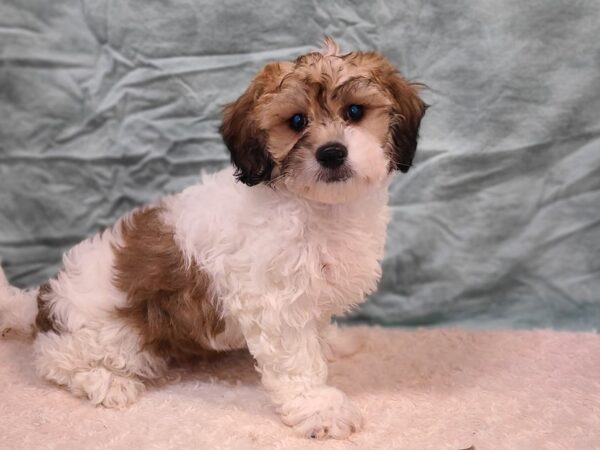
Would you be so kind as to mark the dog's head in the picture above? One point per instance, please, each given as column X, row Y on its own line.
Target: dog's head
column 327, row 126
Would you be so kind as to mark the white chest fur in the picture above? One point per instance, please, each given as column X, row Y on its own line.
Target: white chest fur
column 263, row 246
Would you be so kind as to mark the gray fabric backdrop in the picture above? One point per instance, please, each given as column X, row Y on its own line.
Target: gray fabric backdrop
column 105, row 105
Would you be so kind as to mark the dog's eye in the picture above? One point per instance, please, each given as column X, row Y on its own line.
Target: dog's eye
column 298, row 122
column 354, row 113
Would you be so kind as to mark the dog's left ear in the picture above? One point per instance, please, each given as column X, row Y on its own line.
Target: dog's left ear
column 247, row 144
column 406, row 113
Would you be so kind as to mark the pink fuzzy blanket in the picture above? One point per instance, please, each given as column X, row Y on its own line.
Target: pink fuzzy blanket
column 418, row 389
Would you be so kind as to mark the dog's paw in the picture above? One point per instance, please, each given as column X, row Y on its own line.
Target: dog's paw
column 123, row 392
column 322, row 413
column 103, row 387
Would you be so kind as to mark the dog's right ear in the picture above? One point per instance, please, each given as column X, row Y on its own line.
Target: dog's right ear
column 245, row 141
column 406, row 114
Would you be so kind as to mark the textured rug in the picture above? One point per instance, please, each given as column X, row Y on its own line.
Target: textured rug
column 419, row 389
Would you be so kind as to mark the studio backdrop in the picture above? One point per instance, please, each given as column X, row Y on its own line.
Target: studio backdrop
column 107, row 105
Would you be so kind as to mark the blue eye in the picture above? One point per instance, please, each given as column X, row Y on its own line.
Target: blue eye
column 298, row 122
column 354, row 113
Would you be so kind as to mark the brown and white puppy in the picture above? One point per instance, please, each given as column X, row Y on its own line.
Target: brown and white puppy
column 261, row 263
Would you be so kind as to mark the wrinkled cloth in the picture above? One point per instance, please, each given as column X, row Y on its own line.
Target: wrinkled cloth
column 107, row 105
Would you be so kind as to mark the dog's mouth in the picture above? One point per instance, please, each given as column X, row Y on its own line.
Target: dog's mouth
column 336, row 175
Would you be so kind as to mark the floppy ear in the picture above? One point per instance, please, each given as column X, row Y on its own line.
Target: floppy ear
column 245, row 141
column 406, row 113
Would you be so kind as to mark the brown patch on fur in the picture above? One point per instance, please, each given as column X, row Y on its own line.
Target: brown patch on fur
column 169, row 300
column 44, row 321
column 246, row 141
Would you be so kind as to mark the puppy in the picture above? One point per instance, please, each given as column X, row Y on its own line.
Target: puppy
column 258, row 256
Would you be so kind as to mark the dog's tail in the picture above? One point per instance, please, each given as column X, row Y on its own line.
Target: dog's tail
column 18, row 308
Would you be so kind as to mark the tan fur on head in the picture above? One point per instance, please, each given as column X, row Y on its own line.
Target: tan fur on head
column 321, row 86
column 329, row 47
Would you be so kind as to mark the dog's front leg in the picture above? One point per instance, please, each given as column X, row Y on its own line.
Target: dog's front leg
column 294, row 371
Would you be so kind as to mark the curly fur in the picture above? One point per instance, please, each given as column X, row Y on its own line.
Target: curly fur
column 261, row 264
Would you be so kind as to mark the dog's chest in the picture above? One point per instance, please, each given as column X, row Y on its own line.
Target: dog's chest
column 285, row 249
column 347, row 262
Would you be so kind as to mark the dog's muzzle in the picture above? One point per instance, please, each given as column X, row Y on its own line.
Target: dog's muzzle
column 332, row 155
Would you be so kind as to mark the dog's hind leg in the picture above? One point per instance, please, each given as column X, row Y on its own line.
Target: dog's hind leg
column 106, row 366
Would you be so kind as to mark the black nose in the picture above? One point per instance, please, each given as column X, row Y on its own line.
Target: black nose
column 332, row 156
